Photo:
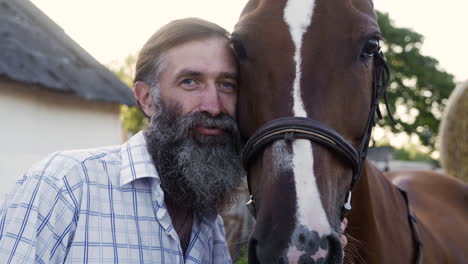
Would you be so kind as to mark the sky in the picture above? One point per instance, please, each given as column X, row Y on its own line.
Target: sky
column 110, row 30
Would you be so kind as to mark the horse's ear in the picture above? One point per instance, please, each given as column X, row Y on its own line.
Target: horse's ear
column 250, row 6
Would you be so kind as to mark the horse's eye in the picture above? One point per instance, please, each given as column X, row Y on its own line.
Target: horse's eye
column 372, row 46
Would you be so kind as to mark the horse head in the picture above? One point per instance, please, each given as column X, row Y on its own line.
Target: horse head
column 316, row 61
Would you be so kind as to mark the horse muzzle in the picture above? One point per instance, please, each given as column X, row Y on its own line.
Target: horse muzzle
column 305, row 248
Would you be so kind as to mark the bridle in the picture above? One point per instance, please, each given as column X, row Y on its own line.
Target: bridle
column 292, row 128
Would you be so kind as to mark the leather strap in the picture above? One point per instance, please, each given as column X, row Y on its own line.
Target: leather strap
column 292, row 128
column 413, row 222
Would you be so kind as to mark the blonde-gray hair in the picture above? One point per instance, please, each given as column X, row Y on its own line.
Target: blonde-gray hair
column 150, row 62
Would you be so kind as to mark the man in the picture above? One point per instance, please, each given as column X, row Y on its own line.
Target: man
column 156, row 198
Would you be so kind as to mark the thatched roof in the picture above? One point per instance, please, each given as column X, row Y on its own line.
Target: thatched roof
column 33, row 49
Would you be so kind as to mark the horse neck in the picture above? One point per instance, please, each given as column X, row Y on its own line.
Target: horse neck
column 378, row 224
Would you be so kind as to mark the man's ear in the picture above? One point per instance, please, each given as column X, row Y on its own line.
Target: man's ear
column 144, row 97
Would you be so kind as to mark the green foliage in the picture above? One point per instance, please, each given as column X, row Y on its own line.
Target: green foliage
column 412, row 153
column 242, row 259
column 417, row 83
column 133, row 119
column 126, row 71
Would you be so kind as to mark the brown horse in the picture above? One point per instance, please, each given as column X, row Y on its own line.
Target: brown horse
column 312, row 70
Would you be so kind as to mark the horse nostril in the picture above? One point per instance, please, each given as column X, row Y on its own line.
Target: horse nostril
column 301, row 238
column 335, row 250
column 324, row 243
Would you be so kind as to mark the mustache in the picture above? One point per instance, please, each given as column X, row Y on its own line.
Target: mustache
column 203, row 119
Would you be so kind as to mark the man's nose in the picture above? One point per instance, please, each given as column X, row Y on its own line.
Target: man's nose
column 211, row 102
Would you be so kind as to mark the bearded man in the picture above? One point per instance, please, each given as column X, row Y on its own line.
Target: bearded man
column 156, row 198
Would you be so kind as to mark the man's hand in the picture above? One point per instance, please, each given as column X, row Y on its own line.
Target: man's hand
column 343, row 226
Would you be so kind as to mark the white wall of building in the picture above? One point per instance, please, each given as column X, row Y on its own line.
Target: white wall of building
column 35, row 122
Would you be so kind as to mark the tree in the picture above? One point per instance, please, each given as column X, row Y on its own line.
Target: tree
column 133, row 119
column 418, row 90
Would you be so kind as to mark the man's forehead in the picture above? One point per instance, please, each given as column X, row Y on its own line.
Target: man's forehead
column 208, row 42
column 208, row 56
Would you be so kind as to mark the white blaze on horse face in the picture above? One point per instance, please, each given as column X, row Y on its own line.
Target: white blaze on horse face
column 310, row 213
column 298, row 16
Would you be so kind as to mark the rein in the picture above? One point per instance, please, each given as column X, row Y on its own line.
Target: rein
column 292, row 128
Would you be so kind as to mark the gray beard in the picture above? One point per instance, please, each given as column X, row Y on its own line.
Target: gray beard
column 198, row 172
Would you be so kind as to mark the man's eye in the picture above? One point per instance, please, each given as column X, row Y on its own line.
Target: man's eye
column 188, row 83
column 228, row 86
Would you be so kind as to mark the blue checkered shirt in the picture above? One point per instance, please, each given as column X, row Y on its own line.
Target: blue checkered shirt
column 100, row 206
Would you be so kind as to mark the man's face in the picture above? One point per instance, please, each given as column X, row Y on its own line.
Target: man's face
column 200, row 76
column 193, row 137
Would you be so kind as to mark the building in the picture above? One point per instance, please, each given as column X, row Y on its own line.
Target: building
column 53, row 94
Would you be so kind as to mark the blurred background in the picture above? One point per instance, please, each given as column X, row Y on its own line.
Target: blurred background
column 66, row 71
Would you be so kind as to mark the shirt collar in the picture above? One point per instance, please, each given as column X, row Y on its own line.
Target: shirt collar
column 136, row 161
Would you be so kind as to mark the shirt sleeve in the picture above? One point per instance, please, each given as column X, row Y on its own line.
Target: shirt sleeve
column 37, row 220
